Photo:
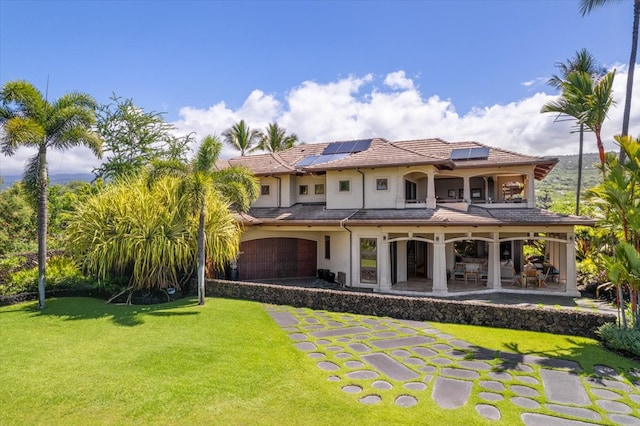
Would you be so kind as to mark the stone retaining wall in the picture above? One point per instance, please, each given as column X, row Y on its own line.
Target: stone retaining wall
column 550, row 320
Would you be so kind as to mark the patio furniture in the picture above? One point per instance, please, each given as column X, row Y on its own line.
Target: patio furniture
column 530, row 274
column 472, row 270
column 458, row 270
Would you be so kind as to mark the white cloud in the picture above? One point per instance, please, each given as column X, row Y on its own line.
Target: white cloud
column 355, row 107
column 398, row 80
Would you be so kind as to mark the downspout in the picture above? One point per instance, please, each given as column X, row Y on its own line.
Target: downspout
column 343, row 226
column 363, row 203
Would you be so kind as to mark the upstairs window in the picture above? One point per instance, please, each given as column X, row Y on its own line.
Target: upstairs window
column 382, row 184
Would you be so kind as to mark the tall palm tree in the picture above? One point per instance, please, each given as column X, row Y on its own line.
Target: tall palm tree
column 242, row 137
column 275, row 139
column 585, row 62
column 29, row 119
column 235, row 184
column 586, row 100
column 586, row 6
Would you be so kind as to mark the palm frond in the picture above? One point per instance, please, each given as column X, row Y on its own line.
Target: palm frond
column 586, row 6
column 21, row 131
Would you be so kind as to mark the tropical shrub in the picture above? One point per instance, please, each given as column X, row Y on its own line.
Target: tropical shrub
column 618, row 200
column 147, row 230
column 62, row 273
column 620, row 339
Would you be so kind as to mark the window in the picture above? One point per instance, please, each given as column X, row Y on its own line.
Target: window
column 264, row 189
column 368, row 260
column 327, row 247
column 319, row 189
column 382, row 184
column 303, row 190
column 476, row 193
column 344, row 185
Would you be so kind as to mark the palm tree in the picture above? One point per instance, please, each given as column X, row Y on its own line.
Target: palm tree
column 586, row 6
column 585, row 62
column 275, row 139
column 586, row 100
column 242, row 137
column 29, row 119
column 235, row 184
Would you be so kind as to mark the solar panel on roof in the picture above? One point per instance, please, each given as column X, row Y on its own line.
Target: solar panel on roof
column 362, row 145
column 331, row 157
column 306, row 161
column 477, row 153
column 347, row 147
column 312, row 160
column 332, row 148
column 460, row 153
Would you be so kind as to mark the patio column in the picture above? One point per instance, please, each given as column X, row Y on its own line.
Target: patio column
column 400, row 197
column 431, row 191
column 571, row 285
column 531, row 191
column 385, row 265
column 493, row 266
column 467, row 189
column 439, row 265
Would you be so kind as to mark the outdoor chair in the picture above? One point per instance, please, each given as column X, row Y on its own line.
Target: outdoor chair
column 472, row 270
column 458, row 270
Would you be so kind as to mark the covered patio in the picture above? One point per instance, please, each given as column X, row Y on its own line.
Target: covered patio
column 488, row 260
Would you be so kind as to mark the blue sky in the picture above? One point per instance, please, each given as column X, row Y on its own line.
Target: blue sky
column 326, row 70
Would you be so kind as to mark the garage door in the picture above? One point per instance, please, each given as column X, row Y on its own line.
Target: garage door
column 277, row 258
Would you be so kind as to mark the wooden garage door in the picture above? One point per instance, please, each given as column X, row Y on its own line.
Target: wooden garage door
column 277, row 258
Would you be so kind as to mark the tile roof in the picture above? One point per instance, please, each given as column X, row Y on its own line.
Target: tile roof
column 317, row 214
column 382, row 153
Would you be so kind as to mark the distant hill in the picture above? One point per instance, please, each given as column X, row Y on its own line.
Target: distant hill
column 54, row 179
column 564, row 176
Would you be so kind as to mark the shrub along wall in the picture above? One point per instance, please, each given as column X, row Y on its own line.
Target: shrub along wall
column 549, row 320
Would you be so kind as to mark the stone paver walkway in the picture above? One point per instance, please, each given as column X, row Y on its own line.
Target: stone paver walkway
column 371, row 356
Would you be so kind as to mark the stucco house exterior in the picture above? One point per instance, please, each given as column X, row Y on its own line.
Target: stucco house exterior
column 405, row 217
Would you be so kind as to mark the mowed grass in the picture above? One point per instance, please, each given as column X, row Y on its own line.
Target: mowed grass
column 588, row 353
column 82, row 361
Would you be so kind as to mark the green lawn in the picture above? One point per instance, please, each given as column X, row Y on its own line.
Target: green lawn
column 81, row 361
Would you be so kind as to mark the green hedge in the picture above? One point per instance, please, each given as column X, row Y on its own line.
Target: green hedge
column 620, row 339
column 62, row 273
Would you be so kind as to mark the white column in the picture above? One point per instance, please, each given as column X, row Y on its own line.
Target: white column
column 439, row 265
column 571, row 286
column 467, row 189
column 400, row 195
column 531, row 191
column 493, row 270
column 384, row 262
column 431, row 191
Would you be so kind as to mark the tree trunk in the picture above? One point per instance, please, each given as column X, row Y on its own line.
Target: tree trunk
column 201, row 257
column 632, row 64
column 579, row 169
column 42, row 222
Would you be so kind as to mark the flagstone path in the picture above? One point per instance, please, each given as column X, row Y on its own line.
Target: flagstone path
column 371, row 356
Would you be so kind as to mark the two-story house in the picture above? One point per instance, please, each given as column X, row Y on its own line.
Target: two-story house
column 409, row 217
